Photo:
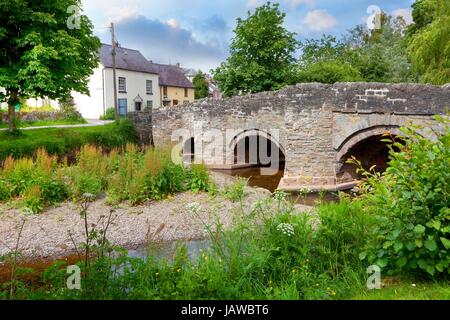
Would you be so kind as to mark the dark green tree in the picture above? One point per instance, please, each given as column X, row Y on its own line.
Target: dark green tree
column 261, row 54
column 201, row 85
column 46, row 50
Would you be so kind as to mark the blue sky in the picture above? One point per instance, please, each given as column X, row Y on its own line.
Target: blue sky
column 196, row 33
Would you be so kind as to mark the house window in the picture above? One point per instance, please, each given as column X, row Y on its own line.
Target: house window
column 149, row 86
column 175, row 102
column 122, row 85
column 123, row 107
column 185, row 92
column 149, row 104
column 165, row 91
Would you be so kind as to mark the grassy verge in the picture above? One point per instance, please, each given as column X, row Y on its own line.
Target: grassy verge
column 408, row 290
column 43, row 123
column 61, row 141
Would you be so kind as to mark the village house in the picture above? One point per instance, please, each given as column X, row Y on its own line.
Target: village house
column 140, row 83
column 175, row 88
column 137, row 84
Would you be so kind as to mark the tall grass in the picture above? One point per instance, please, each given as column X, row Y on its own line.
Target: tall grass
column 272, row 252
column 127, row 174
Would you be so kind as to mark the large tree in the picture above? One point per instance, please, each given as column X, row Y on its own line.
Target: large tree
column 45, row 50
column 429, row 40
column 201, row 85
column 261, row 54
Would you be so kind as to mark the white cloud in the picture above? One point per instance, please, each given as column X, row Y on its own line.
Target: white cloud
column 173, row 23
column 405, row 13
column 318, row 20
column 120, row 13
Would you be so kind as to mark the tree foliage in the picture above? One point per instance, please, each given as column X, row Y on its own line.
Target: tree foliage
column 201, row 85
column 363, row 55
column 429, row 40
column 261, row 54
column 40, row 56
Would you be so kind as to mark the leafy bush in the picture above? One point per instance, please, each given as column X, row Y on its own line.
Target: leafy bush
column 329, row 72
column 235, row 191
column 39, row 182
column 69, row 112
column 109, row 114
column 199, row 178
column 411, row 205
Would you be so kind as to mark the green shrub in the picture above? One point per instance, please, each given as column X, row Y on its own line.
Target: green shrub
column 235, row 191
column 342, row 232
column 411, row 204
column 68, row 111
column 199, row 178
column 109, row 114
column 39, row 182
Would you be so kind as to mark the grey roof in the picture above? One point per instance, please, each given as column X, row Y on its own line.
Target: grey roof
column 126, row 59
column 172, row 76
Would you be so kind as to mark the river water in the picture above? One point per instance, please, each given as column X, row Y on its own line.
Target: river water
column 271, row 182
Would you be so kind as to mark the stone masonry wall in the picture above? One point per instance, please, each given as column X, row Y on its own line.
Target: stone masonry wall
column 312, row 123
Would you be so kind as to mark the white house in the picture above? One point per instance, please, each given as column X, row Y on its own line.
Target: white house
column 137, row 84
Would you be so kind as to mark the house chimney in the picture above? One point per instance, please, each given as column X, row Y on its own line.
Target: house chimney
column 178, row 65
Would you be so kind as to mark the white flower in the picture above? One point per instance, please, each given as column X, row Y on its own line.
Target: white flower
column 194, row 207
column 280, row 195
column 286, row 229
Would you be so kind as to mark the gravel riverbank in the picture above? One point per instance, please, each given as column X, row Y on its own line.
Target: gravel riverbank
column 52, row 234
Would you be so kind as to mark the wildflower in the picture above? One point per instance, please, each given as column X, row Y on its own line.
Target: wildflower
column 178, row 270
column 194, row 207
column 413, row 285
column 157, row 274
column 280, row 195
column 286, row 229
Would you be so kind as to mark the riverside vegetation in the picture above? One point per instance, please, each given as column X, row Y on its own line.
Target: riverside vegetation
column 400, row 222
column 60, row 142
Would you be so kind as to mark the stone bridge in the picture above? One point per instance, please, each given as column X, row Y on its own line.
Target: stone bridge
column 315, row 127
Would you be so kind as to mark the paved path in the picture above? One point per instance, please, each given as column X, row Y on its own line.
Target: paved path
column 91, row 123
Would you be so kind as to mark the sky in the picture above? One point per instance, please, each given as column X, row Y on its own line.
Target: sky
column 196, row 33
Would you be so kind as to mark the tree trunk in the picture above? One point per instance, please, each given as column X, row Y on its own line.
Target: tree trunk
column 12, row 110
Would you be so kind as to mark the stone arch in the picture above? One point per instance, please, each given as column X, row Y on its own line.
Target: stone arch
column 366, row 146
column 247, row 134
column 362, row 135
column 255, row 132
